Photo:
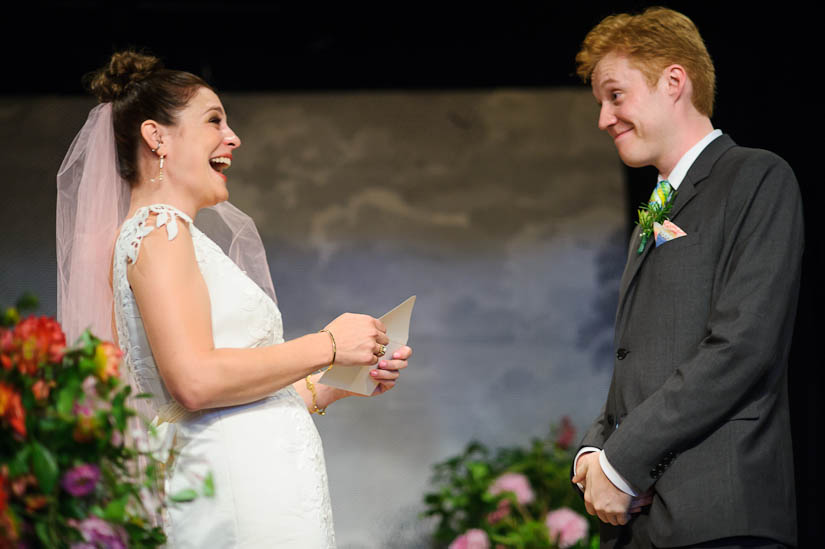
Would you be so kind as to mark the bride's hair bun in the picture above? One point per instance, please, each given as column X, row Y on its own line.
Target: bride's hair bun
column 123, row 70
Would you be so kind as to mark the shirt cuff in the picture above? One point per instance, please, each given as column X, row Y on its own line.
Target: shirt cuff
column 614, row 476
column 584, row 450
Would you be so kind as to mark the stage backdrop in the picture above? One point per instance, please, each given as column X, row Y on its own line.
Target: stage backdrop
column 501, row 210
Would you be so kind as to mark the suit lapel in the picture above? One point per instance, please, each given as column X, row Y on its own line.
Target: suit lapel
column 688, row 189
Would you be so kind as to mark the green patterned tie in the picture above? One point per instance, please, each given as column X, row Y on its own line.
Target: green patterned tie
column 660, row 196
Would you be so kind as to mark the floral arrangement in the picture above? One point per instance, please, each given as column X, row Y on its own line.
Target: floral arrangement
column 513, row 497
column 67, row 477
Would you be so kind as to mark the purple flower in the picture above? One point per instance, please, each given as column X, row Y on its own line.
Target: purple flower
column 99, row 533
column 471, row 539
column 81, row 480
column 516, row 483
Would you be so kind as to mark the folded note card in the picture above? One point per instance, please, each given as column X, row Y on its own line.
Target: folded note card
column 357, row 378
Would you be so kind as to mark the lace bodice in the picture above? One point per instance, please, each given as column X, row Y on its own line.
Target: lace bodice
column 242, row 314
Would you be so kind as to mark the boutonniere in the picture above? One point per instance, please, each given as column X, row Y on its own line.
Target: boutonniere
column 650, row 213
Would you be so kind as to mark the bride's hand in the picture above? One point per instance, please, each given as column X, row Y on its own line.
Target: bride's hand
column 388, row 371
column 358, row 339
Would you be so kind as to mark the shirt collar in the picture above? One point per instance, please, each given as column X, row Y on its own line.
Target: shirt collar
column 687, row 160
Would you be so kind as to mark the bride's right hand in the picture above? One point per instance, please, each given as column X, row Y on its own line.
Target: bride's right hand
column 358, row 339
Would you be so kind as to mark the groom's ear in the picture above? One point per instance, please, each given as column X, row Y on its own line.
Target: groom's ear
column 675, row 81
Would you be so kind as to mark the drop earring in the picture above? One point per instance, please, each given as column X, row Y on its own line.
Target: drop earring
column 160, row 170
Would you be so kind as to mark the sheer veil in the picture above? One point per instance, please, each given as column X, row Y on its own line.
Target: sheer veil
column 92, row 202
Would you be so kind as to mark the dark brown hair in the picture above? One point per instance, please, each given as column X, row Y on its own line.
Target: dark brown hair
column 140, row 89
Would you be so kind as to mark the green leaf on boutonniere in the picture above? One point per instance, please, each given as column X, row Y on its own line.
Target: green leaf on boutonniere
column 650, row 213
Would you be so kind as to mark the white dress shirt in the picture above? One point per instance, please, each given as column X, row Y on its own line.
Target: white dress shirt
column 677, row 175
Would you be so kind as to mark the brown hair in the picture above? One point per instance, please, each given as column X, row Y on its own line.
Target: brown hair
column 140, row 88
column 652, row 40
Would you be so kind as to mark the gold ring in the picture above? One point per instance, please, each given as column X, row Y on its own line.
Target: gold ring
column 382, row 350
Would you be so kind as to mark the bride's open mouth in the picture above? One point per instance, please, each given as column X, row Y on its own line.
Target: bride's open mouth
column 220, row 163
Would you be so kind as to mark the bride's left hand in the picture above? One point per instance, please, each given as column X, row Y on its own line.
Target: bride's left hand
column 387, row 371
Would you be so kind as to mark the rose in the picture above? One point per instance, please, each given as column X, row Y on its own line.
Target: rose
column 35, row 341
column 81, row 480
column 566, row 526
column 510, row 482
column 515, row 483
column 471, row 539
column 107, row 360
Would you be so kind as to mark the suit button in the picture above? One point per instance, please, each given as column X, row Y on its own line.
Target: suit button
column 621, row 353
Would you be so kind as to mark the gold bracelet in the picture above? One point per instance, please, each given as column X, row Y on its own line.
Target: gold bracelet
column 334, row 347
column 315, row 409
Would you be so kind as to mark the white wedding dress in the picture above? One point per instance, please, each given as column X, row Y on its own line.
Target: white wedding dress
column 265, row 457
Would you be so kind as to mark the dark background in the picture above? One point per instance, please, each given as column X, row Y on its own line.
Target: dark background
column 766, row 62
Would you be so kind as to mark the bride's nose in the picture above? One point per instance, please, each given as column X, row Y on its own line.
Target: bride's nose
column 231, row 138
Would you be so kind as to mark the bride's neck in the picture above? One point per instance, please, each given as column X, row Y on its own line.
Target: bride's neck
column 147, row 195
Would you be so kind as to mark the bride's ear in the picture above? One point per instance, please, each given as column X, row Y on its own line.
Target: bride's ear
column 151, row 132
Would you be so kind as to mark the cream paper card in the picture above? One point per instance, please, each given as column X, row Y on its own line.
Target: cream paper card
column 357, row 379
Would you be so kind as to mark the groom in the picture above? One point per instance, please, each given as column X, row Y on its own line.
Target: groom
column 693, row 446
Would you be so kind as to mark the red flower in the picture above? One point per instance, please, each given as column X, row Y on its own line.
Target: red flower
column 566, row 433
column 35, row 341
column 11, row 409
column 107, row 360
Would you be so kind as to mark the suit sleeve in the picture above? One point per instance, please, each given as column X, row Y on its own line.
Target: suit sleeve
column 754, row 297
column 595, row 434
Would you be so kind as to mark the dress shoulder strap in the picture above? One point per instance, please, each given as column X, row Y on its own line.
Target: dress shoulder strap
column 138, row 226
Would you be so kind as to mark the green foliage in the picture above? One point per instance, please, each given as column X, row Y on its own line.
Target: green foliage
column 461, row 498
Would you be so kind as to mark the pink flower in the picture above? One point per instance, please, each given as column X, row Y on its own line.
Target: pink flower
column 81, row 480
column 99, row 533
column 566, row 526
column 471, row 539
column 516, row 483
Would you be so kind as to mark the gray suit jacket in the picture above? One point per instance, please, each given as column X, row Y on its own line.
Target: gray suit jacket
column 698, row 405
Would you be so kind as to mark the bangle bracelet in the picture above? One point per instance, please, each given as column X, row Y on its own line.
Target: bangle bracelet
column 315, row 409
column 334, row 347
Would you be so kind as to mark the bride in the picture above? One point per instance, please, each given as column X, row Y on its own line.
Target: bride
column 201, row 332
